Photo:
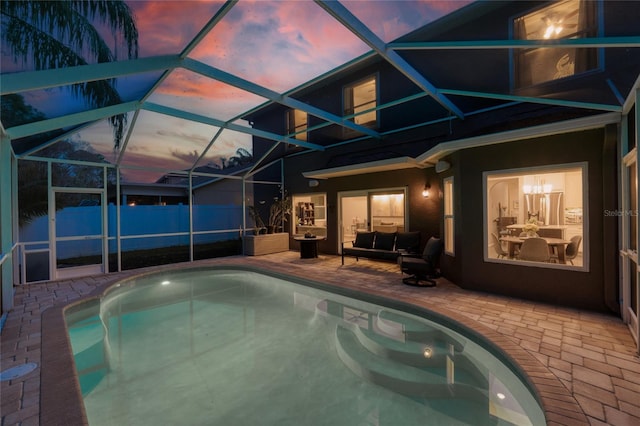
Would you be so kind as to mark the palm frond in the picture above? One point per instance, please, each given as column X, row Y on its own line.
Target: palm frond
column 117, row 15
column 73, row 24
column 57, row 34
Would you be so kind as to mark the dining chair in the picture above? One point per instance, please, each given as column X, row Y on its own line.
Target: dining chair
column 534, row 249
column 572, row 249
column 497, row 245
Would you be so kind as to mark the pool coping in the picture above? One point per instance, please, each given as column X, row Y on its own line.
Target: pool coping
column 59, row 382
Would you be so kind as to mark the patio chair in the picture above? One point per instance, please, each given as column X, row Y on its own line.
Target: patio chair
column 423, row 269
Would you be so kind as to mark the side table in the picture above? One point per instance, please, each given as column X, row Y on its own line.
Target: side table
column 308, row 246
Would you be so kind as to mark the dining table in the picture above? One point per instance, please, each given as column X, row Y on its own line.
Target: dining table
column 556, row 246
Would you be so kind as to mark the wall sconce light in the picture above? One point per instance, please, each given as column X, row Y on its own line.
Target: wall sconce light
column 313, row 183
column 426, row 190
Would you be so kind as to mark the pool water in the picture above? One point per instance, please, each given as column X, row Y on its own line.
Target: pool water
column 237, row 347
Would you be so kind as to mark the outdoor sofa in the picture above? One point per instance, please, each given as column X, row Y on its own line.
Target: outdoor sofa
column 382, row 245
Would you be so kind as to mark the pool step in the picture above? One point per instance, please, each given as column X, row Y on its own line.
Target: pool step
column 402, row 353
column 413, row 353
column 409, row 380
column 89, row 352
column 408, row 352
column 415, row 330
column 389, row 324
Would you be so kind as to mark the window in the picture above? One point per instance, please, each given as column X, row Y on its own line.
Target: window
column 309, row 214
column 360, row 101
column 544, row 204
column 297, row 124
column 448, row 217
column 561, row 20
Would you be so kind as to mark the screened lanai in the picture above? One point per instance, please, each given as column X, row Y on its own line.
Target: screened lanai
column 125, row 130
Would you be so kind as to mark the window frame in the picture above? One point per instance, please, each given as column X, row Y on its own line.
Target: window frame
column 596, row 30
column 319, row 212
column 348, row 109
column 293, row 127
column 449, row 215
column 539, row 170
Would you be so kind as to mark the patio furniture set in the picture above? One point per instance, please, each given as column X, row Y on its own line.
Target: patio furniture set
column 402, row 247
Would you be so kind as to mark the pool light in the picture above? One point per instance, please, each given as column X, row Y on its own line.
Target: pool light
column 165, row 282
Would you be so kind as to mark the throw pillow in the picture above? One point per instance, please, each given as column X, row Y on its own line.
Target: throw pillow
column 384, row 240
column 364, row 240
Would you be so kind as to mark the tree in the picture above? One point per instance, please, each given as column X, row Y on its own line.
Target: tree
column 57, row 34
column 241, row 158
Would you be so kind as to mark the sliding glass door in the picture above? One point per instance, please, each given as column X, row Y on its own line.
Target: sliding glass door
column 630, row 299
column 382, row 210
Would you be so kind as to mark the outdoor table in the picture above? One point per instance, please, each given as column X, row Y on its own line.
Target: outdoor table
column 309, row 246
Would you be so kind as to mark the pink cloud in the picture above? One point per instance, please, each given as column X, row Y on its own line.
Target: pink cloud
column 392, row 19
column 167, row 26
column 298, row 34
column 256, row 39
column 446, row 6
column 198, row 94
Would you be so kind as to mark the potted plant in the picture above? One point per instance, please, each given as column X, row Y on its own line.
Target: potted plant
column 255, row 245
column 257, row 221
column 278, row 214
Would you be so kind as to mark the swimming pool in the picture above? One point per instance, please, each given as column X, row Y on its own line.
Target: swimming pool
column 230, row 346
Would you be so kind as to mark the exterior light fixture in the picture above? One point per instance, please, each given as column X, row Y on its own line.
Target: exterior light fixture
column 426, row 190
column 427, row 352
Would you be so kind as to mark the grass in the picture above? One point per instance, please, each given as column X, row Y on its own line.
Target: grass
column 161, row 256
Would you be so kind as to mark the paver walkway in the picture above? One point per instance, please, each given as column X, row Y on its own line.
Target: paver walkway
column 583, row 364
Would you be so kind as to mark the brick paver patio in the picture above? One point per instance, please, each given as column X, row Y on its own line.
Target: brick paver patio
column 584, row 365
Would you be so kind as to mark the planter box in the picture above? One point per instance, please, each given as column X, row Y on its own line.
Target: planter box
column 255, row 245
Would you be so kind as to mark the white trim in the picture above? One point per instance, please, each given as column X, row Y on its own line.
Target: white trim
column 586, row 123
column 370, row 167
column 430, row 157
column 451, row 215
column 551, row 168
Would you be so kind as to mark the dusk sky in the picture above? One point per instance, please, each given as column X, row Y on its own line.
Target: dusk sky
column 276, row 44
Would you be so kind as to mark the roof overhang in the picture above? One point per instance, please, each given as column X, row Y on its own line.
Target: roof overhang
column 431, row 157
column 370, row 167
column 443, row 149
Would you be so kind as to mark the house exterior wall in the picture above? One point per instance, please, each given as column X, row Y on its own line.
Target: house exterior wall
column 423, row 215
column 489, row 71
column 595, row 289
column 223, row 191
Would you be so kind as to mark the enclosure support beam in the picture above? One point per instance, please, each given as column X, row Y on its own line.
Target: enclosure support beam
column 6, row 223
column 353, row 24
